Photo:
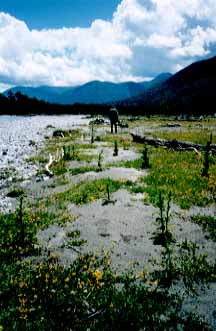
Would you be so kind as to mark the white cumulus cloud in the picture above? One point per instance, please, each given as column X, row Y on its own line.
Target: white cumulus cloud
column 143, row 39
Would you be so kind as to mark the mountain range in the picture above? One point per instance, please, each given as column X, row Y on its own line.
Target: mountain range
column 192, row 90
column 95, row 92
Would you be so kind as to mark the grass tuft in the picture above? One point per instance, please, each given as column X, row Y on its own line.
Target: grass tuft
column 208, row 224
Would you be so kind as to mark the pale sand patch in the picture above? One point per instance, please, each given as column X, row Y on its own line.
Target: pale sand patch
column 125, row 227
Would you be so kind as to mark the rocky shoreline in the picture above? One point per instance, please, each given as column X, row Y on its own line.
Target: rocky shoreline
column 20, row 138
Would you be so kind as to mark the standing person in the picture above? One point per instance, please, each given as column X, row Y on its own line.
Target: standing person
column 114, row 119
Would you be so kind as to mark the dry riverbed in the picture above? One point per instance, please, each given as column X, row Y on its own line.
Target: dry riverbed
column 122, row 221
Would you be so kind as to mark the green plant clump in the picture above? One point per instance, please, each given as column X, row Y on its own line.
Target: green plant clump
column 16, row 192
column 70, row 153
column 205, row 171
column 100, row 158
column 115, row 152
column 145, row 158
column 164, row 236
column 137, row 164
column 59, row 168
column 179, row 172
column 89, row 191
column 82, row 170
column 17, row 237
column 208, row 223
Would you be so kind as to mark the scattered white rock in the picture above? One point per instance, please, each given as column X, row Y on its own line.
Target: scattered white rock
column 21, row 137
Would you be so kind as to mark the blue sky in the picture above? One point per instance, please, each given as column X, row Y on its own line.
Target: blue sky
column 69, row 42
column 41, row 14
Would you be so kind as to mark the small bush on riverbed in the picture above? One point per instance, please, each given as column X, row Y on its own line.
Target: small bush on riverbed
column 137, row 164
column 16, row 192
column 115, row 151
column 163, row 236
column 17, row 237
column 145, row 158
column 82, row 170
column 59, row 168
column 208, row 223
column 70, row 153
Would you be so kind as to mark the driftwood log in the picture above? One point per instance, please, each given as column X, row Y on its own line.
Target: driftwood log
column 47, row 166
column 172, row 144
column 53, row 159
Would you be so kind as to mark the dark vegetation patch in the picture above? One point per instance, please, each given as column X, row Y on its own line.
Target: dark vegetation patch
column 16, row 192
column 82, row 170
column 208, row 224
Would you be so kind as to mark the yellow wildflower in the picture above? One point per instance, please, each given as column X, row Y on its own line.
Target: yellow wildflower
column 80, row 284
column 106, row 253
column 23, row 300
column 22, row 284
column 145, row 196
column 98, row 275
column 23, row 310
column 47, row 278
column 142, row 274
column 154, row 283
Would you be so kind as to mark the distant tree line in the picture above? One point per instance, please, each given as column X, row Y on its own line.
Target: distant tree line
column 154, row 101
column 19, row 104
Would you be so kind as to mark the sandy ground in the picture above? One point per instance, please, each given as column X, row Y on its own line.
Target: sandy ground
column 127, row 223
